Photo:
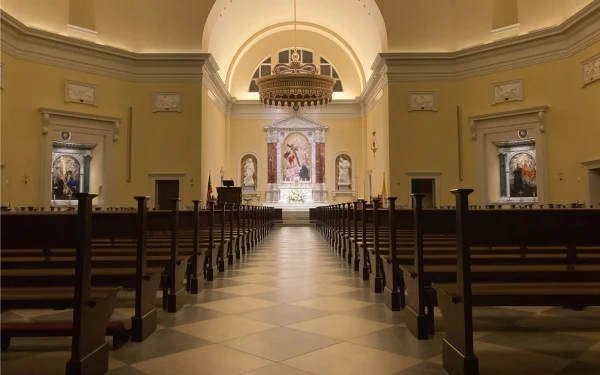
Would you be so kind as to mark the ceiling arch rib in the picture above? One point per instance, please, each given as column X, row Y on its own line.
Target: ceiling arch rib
column 342, row 18
column 289, row 26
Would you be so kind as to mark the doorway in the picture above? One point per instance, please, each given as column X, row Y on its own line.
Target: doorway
column 424, row 186
column 594, row 178
column 166, row 190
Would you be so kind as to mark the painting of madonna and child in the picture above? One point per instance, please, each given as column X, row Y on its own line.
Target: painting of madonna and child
column 522, row 176
column 296, row 163
column 66, row 176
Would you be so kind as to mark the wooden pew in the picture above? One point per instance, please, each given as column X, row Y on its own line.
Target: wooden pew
column 92, row 307
column 479, row 228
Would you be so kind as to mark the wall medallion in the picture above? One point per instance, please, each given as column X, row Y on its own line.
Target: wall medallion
column 65, row 136
column 523, row 133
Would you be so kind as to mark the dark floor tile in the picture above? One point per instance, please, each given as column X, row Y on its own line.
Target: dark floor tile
column 580, row 368
column 188, row 314
column 160, row 343
column 127, row 370
column 592, row 313
column 379, row 313
column 551, row 343
column 207, row 295
column 400, row 341
column 424, row 368
column 9, row 316
column 365, row 295
column 233, row 273
column 283, row 315
column 355, row 282
column 221, row 283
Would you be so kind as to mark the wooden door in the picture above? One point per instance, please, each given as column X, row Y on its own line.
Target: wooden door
column 165, row 190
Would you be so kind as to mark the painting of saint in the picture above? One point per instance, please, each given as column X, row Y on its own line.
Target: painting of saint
column 66, row 176
column 296, row 161
column 523, row 176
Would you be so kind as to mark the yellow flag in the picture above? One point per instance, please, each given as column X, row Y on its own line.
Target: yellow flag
column 383, row 189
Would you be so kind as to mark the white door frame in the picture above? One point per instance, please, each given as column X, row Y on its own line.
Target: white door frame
column 589, row 165
column 153, row 177
column 437, row 184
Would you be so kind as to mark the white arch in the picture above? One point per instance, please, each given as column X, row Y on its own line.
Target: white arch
column 223, row 40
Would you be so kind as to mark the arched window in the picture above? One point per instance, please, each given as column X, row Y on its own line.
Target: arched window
column 327, row 69
column 263, row 70
column 285, row 56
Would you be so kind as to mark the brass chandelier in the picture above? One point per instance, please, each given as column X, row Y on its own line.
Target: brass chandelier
column 295, row 85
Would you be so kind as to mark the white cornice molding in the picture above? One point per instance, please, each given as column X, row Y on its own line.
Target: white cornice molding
column 572, row 36
column 217, row 91
column 338, row 109
column 539, row 112
column 374, row 89
column 44, row 47
column 49, row 114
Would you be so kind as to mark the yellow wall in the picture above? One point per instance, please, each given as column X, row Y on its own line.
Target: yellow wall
column 213, row 145
column 378, row 120
column 162, row 142
column 343, row 135
column 427, row 141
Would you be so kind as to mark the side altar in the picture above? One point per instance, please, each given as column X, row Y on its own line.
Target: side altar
column 296, row 161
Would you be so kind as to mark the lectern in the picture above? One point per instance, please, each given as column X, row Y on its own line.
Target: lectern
column 229, row 195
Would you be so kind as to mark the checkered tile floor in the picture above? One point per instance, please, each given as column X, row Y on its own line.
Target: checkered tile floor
column 293, row 308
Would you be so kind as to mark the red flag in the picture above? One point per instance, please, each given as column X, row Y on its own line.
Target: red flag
column 209, row 191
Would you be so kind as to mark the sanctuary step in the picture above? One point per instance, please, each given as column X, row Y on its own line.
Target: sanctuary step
column 295, row 219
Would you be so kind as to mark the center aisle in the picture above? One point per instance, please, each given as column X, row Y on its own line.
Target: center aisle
column 290, row 307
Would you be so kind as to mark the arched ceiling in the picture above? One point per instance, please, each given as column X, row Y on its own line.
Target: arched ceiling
column 225, row 27
column 232, row 23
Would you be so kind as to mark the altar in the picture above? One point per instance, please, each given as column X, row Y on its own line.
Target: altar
column 305, row 192
column 296, row 162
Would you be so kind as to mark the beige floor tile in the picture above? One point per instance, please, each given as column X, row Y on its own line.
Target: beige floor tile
column 259, row 269
column 332, row 304
column 325, row 278
column 258, row 278
column 207, row 360
column 283, row 283
column 221, row 329
column 348, row 359
column 48, row 363
column 546, row 322
column 339, row 327
column 238, row 305
column 292, row 273
column 262, row 263
column 277, row 369
column 279, row 344
column 327, row 289
column 247, row 289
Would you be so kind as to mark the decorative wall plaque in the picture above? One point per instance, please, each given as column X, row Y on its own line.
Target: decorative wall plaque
column 65, row 136
column 422, row 101
column 507, row 91
column 590, row 70
column 78, row 92
column 166, row 102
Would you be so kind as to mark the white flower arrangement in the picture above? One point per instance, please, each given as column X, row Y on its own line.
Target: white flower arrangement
column 296, row 196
